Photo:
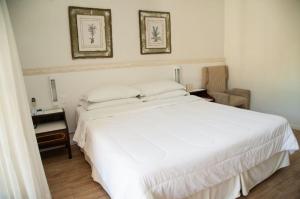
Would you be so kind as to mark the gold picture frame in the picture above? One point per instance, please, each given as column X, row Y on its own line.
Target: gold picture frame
column 155, row 32
column 91, row 32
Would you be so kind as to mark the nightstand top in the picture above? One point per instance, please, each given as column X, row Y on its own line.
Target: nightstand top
column 50, row 126
column 49, row 111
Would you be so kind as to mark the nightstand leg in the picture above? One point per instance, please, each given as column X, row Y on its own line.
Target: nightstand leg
column 69, row 150
column 68, row 146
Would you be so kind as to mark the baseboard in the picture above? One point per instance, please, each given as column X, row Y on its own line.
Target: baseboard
column 296, row 126
column 296, row 130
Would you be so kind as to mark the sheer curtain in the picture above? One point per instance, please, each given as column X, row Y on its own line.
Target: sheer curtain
column 21, row 171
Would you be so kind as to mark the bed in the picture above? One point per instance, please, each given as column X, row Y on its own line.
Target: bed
column 182, row 148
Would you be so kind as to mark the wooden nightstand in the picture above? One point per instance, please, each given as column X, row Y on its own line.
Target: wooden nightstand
column 51, row 129
column 203, row 94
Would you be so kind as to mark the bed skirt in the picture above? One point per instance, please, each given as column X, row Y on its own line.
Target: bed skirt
column 233, row 187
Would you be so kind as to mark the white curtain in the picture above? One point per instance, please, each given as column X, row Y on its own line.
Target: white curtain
column 21, row 171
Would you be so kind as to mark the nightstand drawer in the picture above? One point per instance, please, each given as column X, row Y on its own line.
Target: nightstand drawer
column 51, row 138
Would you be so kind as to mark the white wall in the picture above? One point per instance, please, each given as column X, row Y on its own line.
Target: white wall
column 262, row 49
column 42, row 33
column 262, row 45
column 42, row 30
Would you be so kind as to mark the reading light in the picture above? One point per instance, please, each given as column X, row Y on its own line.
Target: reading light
column 53, row 91
column 177, row 75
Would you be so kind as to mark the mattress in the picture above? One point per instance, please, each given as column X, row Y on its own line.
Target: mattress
column 177, row 147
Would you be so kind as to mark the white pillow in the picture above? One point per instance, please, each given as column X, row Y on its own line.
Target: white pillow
column 155, row 88
column 170, row 94
column 108, row 93
column 91, row 106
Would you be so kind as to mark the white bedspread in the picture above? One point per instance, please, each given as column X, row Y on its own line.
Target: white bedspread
column 177, row 147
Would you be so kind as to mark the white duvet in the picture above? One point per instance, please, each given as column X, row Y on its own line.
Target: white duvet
column 175, row 148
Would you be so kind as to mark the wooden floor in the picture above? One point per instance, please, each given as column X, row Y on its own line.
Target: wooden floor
column 71, row 178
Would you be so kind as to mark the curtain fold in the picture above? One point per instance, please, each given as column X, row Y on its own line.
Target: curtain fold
column 21, row 170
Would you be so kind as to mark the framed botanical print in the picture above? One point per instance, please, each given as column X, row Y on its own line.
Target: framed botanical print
column 91, row 32
column 155, row 32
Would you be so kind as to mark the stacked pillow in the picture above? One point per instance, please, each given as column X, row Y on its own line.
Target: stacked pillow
column 161, row 90
column 109, row 96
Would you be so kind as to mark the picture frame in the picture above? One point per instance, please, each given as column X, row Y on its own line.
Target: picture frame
column 91, row 32
column 155, row 32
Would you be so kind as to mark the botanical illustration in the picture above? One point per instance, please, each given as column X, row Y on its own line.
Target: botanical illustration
column 92, row 31
column 155, row 34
